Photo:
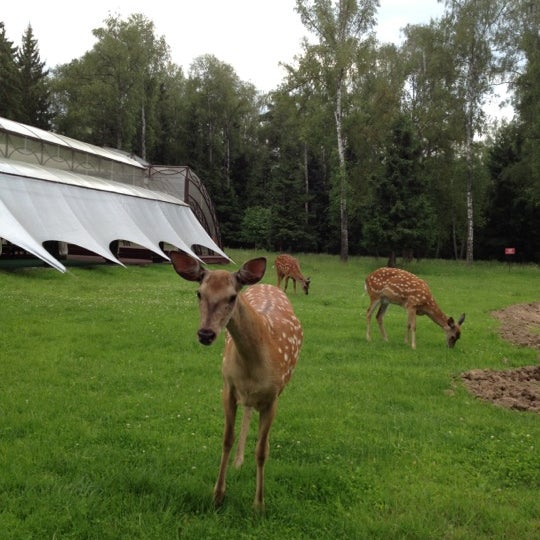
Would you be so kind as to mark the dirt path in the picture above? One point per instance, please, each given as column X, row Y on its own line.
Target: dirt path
column 513, row 388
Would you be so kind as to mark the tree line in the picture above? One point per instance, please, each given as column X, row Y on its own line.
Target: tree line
column 363, row 148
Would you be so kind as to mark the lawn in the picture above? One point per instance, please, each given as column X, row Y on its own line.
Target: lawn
column 111, row 418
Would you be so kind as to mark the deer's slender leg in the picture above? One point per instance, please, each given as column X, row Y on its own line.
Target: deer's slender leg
column 380, row 316
column 230, row 406
column 266, row 417
column 411, row 327
column 370, row 310
column 246, row 420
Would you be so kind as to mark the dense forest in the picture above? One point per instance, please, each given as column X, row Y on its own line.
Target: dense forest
column 364, row 147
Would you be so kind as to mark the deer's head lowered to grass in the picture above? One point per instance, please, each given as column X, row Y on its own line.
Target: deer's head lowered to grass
column 262, row 346
column 287, row 267
column 387, row 286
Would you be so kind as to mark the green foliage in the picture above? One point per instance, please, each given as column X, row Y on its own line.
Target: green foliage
column 24, row 85
column 288, row 228
column 110, row 95
column 171, row 129
column 10, row 91
column 473, row 28
column 111, row 417
column 341, row 30
column 513, row 219
column 399, row 216
column 527, row 98
column 256, row 227
column 282, row 151
column 292, row 138
column 35, row 94
column 228, row 204
column 221, row 115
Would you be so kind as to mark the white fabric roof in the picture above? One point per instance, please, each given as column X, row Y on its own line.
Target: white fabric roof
column 39, row 204
column 49, row 137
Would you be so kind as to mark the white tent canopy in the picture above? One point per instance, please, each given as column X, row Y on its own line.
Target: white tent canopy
column 39, row 204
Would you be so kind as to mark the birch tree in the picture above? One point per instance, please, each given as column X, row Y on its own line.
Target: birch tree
column 473, row 29
column 340, row 28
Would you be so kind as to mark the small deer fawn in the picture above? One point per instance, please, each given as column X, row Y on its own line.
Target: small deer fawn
column 262, row 345
column 387, row 286
column 288, row 267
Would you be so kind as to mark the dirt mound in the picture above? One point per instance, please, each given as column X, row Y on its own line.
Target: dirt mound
column 520, row 324
column 513, row 388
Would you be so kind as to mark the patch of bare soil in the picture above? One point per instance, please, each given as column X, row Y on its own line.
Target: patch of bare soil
column 513, row 388
column 520, row 324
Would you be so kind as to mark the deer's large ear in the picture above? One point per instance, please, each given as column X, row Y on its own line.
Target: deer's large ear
column 187, row 267
column 252, row 271
column 450, row 322
column 461, row 319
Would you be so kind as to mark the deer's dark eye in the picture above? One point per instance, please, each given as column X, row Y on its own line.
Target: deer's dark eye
column 232, row 299
column 198, row 295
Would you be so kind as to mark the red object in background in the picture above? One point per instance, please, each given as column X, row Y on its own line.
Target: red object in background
column 509, row 251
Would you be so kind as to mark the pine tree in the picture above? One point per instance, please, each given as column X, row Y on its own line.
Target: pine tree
column 35, row 100
column 400, row 218
column 9, row 81
column 512, row 219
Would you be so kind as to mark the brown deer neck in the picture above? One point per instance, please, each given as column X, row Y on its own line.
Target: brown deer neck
column 246, row 328
column 434, row 312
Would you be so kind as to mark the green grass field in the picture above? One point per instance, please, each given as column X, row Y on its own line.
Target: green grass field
column 111, row 419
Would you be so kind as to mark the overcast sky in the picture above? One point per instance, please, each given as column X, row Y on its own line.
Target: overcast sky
column 253, row 36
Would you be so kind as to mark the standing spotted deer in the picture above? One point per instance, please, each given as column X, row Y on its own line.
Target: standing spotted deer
column 262, row 345
column 288, row 267
column 387, row 286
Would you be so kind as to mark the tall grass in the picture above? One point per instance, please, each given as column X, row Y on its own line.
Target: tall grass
column 111, row 419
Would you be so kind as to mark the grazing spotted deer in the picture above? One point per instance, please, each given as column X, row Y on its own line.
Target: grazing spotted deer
column 288, row 267
column 262, row 345
column 387, row 286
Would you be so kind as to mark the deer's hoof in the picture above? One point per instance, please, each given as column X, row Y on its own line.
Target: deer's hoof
column 219, row 496
column 258, row 506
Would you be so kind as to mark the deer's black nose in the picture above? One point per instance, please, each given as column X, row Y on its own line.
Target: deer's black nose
column 206, row 336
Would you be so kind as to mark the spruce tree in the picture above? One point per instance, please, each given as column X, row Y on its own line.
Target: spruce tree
column 35, row 100
column 400, row 216
column 9, row 82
